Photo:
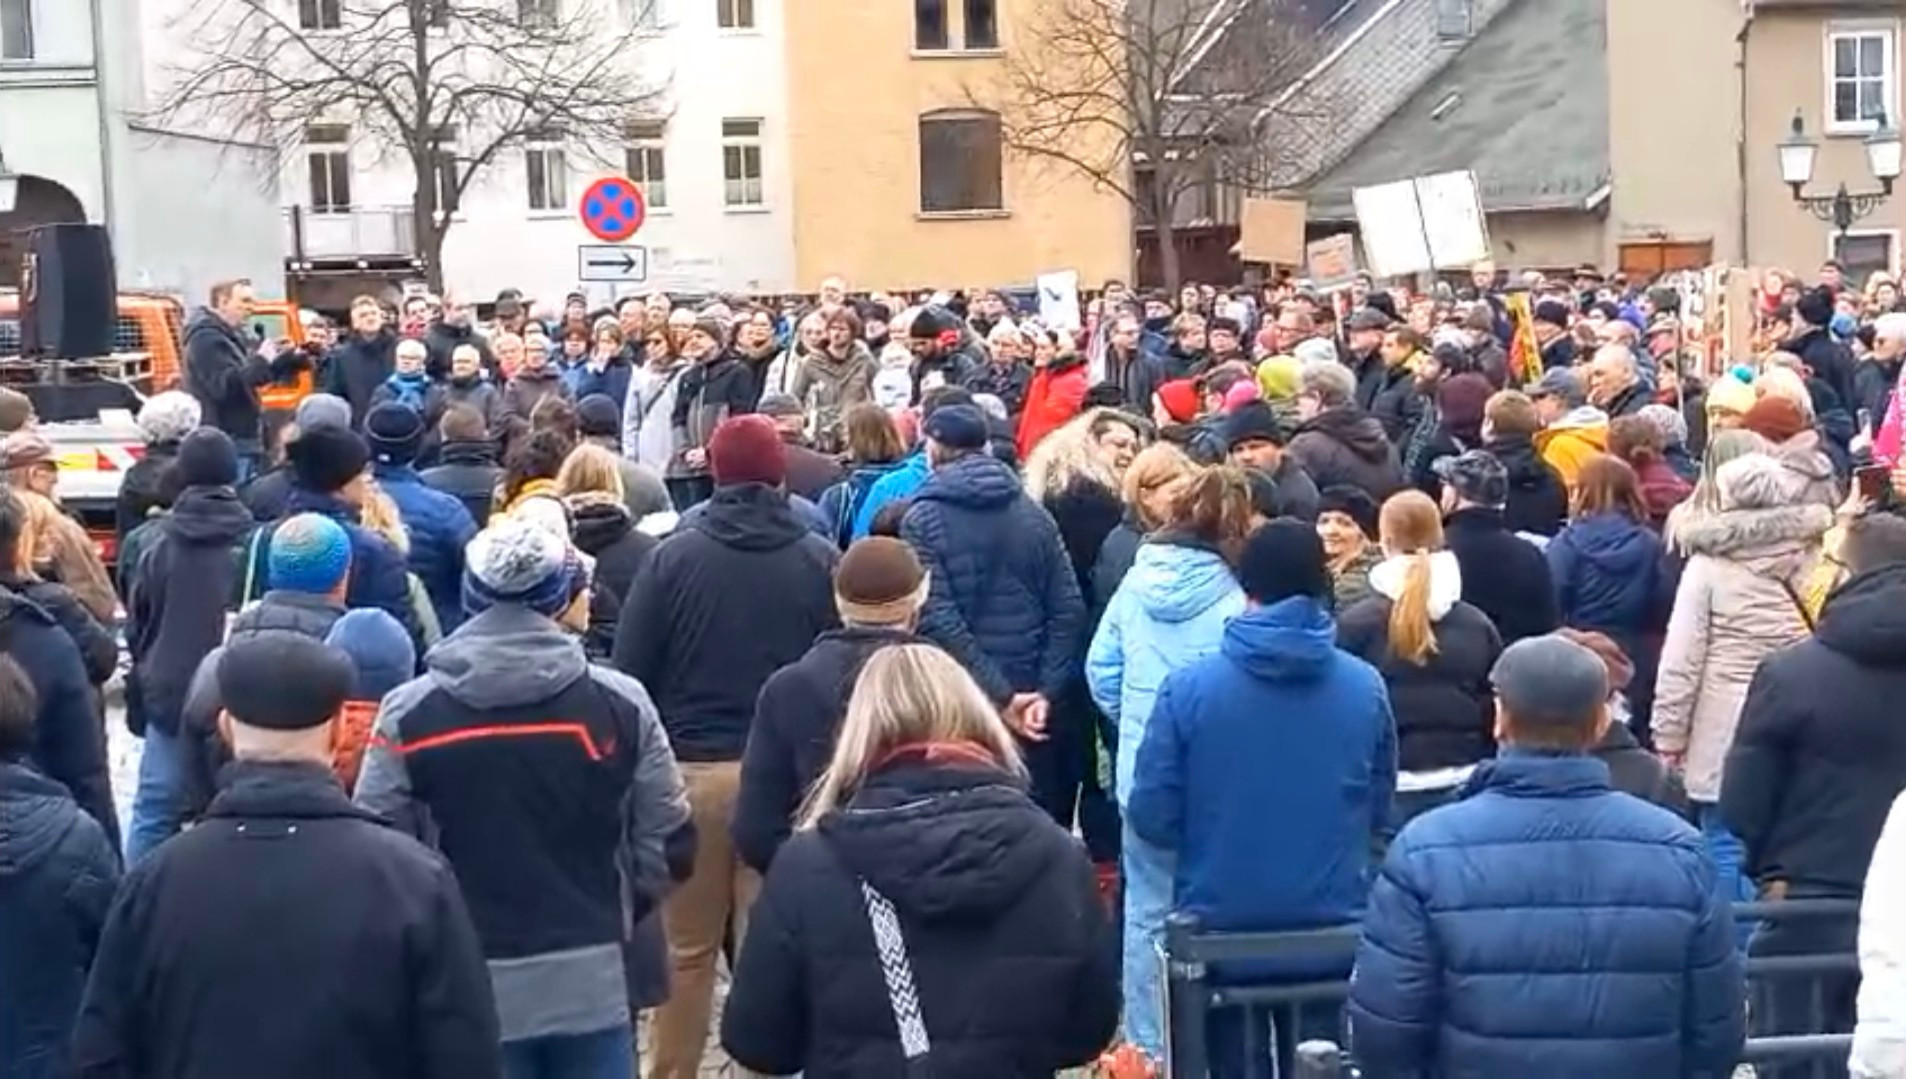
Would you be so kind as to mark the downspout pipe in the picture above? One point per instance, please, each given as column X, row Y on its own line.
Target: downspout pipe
column 1740, row 142
column 103, row 113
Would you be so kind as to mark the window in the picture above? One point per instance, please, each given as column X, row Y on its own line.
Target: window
column 1861, row 253
column 741, row 162
column 929, row 24
column 959, row 161
column 1860, row 79
column 314, row 14
column 547, row 171
column 328, row 156
column 443, row 168
column 1452, row 19
column 641, row 14
column 734, row 14
column 16, row 29
column 982, row 25
column 539, row 12
column 647, row 165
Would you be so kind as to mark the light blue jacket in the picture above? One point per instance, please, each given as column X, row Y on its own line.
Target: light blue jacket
column 1169, row 612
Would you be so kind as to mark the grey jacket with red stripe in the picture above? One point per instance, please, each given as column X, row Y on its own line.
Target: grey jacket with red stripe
column 550, row 786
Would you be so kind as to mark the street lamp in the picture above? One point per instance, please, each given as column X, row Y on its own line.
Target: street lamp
column 9, row 187
column 1842, row 208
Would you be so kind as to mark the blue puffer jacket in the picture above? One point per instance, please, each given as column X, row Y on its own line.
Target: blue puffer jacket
column 57, row 875
column 1268, row 769
column 1003, row 599
column 439, row 526
column 903, row 481
column 1547, row 926
column 1169, row 611
column 1607, row 573
column 378, row 575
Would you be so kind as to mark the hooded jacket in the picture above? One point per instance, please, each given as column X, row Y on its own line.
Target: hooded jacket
column 1347, row 446
column 439, row 526
column 98, row 646
column 357, row 367
column 1538, row 499
column 468, row 472
column 1830, row 361
column 1012, row 959
column 143, row 490
column 1802, row 455
column 604, row 531
column 1055, row 395
column 1571, row 440
column 1735, row 606
column 897, row 484
column 828, row 386
column 1607, row 574
column 57, row 875
column 1820, row 752
column 738, row 591
column 1445, row 707
column 548, row 783
column 527, row 388
column 648, row 431
column 372, row 969
column 176, row 604
column 69, row 743
column 1268, row 769
column 1504, row 576
column 840, row 504
column 1004, row 599
column 1547, row 925
column 1662, row 489
column 1168, row 612
column 792, row 737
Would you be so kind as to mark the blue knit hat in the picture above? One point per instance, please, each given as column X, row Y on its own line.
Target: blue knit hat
column 379, row 648
column 309, row 553
column 516, row 561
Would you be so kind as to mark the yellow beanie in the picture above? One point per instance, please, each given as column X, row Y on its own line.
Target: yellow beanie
column 1730, row 394
column 1280, row 377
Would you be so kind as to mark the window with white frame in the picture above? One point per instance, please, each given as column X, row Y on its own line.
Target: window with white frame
column 327, row 156
column 547, row 171
column 1862, row 73
column 734, row 14
column 1860, row 254
column 647, row 160
column 16, row 29
column 741, row 163
column 982, row 24
column 929, row 25
column 319, row 14
column 959, row 161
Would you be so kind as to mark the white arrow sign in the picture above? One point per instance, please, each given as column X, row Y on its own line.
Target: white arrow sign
column 612, row 262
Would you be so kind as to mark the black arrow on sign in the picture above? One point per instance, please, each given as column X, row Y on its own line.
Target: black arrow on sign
column 626, row 263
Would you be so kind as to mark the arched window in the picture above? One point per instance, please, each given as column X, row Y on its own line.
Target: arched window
column 959, row 161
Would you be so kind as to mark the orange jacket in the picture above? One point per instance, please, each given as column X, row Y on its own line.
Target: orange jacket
column 1568, row 446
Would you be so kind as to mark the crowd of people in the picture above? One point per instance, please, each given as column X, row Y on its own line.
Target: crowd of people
column 916, row 659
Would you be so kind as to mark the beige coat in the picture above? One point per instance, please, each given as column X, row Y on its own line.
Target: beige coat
column 1731, row 611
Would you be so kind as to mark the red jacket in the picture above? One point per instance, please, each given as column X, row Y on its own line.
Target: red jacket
column 1055, row 396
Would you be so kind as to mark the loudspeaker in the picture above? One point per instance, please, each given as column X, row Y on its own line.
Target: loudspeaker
column 69, row 295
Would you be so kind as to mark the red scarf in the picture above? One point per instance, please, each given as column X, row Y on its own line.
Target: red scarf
column 938, row 753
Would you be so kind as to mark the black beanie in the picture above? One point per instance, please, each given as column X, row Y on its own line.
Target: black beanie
column 1816, row 306
column 1282, row 559
column 598, row 417
column 395, row 433
column 1353, row 502
column 207, row 458
column 325, row 459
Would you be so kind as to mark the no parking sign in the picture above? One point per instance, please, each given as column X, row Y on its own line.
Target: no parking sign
column 612, row 209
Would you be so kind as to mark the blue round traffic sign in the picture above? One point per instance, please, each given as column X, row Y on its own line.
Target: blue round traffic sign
column 613, row 209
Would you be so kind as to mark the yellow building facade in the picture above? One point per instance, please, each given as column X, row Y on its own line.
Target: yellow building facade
column 899, row 182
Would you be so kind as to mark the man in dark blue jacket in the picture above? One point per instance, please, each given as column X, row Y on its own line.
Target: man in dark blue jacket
column 1004, row 600
column 439, row 525
column 1547, row 924
column 361, row 362
column 1269, row 768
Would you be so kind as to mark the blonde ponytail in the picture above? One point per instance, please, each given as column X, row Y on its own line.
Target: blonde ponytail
column 1412, row 636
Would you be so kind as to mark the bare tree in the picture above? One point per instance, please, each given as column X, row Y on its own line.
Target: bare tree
column 1154, row 99
column 414, row 78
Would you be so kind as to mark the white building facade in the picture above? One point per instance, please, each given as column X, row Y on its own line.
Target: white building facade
column 711, row 157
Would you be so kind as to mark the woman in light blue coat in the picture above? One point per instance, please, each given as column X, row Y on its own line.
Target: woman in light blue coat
column 1169, row 611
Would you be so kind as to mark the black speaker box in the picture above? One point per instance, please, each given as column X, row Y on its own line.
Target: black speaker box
column 69, row 295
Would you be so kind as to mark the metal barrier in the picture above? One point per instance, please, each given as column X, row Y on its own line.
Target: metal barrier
column 1291, row 1009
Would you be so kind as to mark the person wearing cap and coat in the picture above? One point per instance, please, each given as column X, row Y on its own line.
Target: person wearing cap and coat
column 1504, row 576
column 438, row 524
column 879, row 589
column 147, row 487
column 186, row 582
column 738, row 591
column 373, row 969
column 549, row 785
column 1542, row 858
column 716, row 386
column 1004, row 597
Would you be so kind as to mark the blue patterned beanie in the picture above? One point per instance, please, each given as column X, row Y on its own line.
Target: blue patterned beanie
column 310, row 554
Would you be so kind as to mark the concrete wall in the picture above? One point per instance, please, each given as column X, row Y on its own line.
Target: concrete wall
column 201, row 210
column 1550, row 240
column 1786, row 70
column 1674, row 122
column 855, row 93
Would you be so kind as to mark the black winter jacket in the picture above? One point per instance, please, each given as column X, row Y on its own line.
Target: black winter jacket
column 1004, row 596
column 1347, row 446
column 1634, row 770
column 1399, row 404
column 1831, row 362
column 738, row 591
column 357, row 367
column 98, row 648
column 792, row 738
column 1445, row 709
column 1011, row 955
column 176, row 604
column 709, row 393
column 606, row 532
column 1538, row 499
column 144, row 488
column 470, row 472
column 1820, row 753
column 1504, row 576
column 57, row 874
column 1873, row 383
column 1086, row 513
column 373, row 968
column 442, row 339
column 224, row 370
column 69, row 746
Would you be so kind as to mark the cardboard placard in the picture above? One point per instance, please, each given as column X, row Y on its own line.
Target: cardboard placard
column 1332, row 261
column 1272, row 231
column 1426, row 223
column 1059, row 300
